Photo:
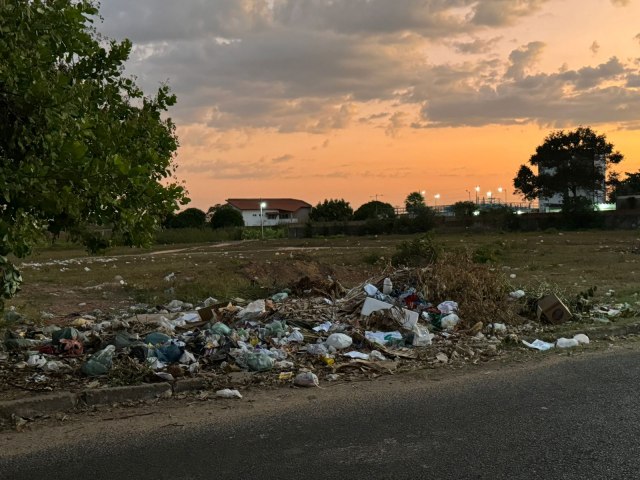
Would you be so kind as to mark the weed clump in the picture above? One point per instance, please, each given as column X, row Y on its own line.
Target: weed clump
column 419, row 252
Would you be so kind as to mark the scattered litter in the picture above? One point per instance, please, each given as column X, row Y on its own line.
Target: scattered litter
column 383, row 338
column 306, row 379
column 227, row 393
column 539, row 345
column 566, row 343
column 449, row 322
column 355, row 354
column 339, row 341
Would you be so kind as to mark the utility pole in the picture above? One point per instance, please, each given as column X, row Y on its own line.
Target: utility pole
column 376, row 195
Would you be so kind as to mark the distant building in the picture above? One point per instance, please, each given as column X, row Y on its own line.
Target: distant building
column 277, row 211
column 597, row 196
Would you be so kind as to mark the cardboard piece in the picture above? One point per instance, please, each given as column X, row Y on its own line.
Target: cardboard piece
column 207, row 313
column 551, row 310
column 373, row 305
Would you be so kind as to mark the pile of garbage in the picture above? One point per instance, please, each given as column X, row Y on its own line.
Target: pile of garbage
column 313, row 332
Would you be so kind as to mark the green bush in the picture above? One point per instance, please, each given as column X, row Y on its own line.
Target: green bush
column 270, row 233
column 420, row 251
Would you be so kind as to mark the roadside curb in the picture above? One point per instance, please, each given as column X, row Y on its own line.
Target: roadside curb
column 38, row 406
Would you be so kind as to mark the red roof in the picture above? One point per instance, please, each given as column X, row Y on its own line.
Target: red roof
column 282, row 204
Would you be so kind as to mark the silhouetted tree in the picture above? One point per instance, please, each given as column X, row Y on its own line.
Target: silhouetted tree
column 374, row 210
column 331, row 211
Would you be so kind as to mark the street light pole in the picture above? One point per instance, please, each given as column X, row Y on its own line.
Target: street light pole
column 263, row 205
column 436, row 197
column 477, row 193
column 500, row 190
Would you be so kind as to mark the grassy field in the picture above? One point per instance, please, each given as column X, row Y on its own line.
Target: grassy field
column 64, row 280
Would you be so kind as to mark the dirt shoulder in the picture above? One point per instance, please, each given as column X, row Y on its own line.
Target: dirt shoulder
column 198, row 409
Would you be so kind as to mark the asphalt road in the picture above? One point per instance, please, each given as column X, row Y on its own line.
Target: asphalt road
column 573, row 419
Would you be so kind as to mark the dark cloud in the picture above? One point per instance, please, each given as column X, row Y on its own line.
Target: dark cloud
column 523, row 58
column 589, row 95
column 504, row 12
column 476, row 46
column 595, row 47
column 308, row 65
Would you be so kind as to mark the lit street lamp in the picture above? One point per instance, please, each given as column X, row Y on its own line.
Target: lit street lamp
column 500, row 190
column 436, row 197
column 477, row 193
column 489, row 195
column 263, row 205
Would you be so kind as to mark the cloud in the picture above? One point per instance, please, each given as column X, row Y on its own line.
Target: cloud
column 396, row 123
column 504, row 12
column 476, row 46
column 589, row 95
column 238, row 66
column 595, row 47
column 224, row 169
column 282, row 158
column 524, row 58
column 637, row 37
column 621, row 3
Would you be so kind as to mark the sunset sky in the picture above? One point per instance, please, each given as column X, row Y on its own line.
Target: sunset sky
column 316, row 99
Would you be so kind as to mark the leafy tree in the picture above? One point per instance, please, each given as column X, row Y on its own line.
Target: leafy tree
column 414, row 203
column 566, row 165
column 374, row 210
column 463, row 209
column 225, row 216
column 331, row 211
column 189, row 218
column 629, row 186
column 80, row 144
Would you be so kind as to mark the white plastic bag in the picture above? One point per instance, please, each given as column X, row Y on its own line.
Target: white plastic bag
column 306, row 379
column 228, row 393
column 421, row 336
column 339, row 341
column 566, row 343
column 449, row 322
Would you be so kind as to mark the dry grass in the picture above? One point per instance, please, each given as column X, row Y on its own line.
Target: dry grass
column 566, row 263
column 481, row 290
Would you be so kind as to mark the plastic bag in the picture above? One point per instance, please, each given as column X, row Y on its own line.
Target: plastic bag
column 566, row 343
column 167, row 353
column 306, row 379
column 296, row 336
column 258, row 362
column 376, row 356
column 228, row 393
column 581, row 338
column 449, row 322
column 220, row 328
column 317, row 349
column 339, row 341
column 448, row 306
column 156, row 338
column 100, row 363
column 421, row 336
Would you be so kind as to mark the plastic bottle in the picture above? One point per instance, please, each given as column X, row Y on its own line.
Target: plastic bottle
column 387, row 286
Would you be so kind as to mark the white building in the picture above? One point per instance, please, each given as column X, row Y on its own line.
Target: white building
column 276, row 211
column 597, row 196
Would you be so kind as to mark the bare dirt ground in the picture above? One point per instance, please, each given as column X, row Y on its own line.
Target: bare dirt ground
column 64, row 280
